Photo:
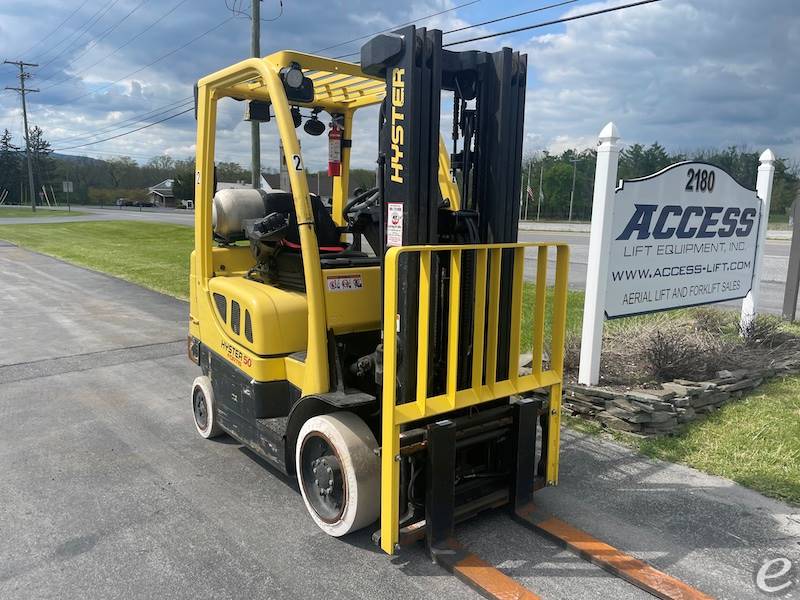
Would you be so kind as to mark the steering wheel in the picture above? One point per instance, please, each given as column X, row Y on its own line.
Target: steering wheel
column 361, row 201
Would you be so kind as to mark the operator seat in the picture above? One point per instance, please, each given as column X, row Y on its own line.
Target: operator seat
column 324, row 226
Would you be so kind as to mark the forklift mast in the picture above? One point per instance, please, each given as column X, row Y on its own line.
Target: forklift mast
column 488, row 96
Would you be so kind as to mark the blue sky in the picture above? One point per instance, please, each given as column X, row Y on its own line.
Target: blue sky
column 688, row 73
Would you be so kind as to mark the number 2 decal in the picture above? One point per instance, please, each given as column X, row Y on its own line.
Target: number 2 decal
column 298, row 163
column 700, row 180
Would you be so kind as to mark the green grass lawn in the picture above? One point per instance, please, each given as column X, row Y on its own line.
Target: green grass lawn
column 155, row 255
column 574, row 313
column 755, row 441
column 7, row 212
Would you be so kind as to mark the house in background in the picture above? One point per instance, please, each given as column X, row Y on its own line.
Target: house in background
column 161, row 194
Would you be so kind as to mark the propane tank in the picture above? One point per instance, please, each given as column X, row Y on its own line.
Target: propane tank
column 231, row 207
column 334, row 151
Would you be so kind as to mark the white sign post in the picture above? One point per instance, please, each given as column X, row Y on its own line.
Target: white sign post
column 766, row 172
column 685, row 236
column 605, row 177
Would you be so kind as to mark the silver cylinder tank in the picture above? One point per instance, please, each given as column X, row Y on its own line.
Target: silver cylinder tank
column 230, row 209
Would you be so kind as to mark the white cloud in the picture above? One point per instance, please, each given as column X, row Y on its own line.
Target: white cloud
column 687, row 73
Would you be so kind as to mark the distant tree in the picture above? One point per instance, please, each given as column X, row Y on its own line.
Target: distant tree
column 743, row 165
column 10, row 164
column 183, row 185
column 231, row 172
column 121, row 170
column 44, row 167
column 161, row 162
column 656, row 158
column 184, row 164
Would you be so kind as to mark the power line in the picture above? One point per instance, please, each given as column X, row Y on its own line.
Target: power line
column 114, row 137
column 519, row 29
column 85, row 153
column 59, row 26
column 120, row 47
column 554, row 22
column 472, row 26
column 156, row 112
column 514, row 16
column 150, row 64
column 393, row 27
column 81, row 31
column 170, row 107
column 98, row 39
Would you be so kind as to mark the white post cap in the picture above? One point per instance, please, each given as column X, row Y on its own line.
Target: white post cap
column 609, row 133
column 768, row 156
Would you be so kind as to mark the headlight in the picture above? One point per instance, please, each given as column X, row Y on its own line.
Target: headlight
column 292, row 76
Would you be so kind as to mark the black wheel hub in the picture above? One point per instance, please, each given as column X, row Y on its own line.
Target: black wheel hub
column 322, row 478
column 200, row 406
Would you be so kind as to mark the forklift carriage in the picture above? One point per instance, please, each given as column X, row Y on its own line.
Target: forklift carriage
column 387, row 381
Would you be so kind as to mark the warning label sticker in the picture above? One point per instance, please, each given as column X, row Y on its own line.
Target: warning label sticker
column 394, row 223
column 345, row 283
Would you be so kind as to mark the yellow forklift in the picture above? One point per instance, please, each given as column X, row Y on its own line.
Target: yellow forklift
column 372, row 347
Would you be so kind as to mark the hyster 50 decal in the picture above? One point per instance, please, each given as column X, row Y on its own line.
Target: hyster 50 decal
column 398, row 141
column 236, row 356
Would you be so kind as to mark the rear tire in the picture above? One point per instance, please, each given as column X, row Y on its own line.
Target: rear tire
column 204, row 408
column 338, row 470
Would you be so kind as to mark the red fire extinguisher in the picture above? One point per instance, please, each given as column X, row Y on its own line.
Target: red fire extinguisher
column 334, row 151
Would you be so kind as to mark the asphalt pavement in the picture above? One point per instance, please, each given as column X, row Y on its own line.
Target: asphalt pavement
column 108, row 491
column 93, row 213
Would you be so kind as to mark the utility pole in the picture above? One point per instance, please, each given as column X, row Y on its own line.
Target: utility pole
column 255, row 126
column 22, row 90
column 574, row 162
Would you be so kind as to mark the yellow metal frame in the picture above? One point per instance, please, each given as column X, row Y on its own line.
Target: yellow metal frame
column 340, row 87
column 486, row 317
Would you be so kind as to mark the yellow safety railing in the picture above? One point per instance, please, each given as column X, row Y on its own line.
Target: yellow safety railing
column 484, row 386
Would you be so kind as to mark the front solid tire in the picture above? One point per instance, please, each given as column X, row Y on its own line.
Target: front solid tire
column 204, row 408
column 338, row 470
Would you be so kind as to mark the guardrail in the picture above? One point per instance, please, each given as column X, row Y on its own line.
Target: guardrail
column 484, row 383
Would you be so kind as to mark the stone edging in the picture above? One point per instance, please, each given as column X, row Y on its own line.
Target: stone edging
column 650, row 412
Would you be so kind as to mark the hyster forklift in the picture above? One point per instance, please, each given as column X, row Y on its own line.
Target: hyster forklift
column 386, row 379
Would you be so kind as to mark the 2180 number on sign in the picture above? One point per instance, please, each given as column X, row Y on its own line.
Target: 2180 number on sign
column 700, row 180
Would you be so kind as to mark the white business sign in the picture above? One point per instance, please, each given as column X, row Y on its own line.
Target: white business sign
column 684, row 236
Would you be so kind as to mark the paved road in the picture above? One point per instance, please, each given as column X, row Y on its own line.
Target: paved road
column 773, row 280
column 165, row 215
column 108, row 492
